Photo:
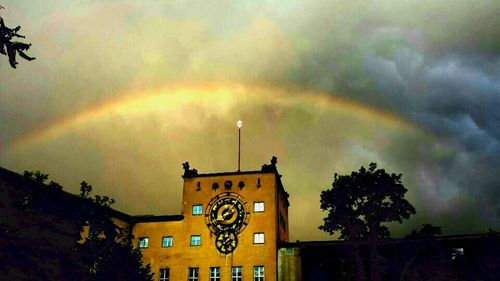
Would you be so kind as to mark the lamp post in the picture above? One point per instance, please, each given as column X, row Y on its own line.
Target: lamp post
column 239, row 124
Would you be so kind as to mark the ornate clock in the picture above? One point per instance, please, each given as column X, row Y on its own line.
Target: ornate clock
column 227, row 211
column 226, row 242
column 226, row 216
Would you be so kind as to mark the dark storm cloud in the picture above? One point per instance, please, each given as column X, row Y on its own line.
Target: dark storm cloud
column 457, row 98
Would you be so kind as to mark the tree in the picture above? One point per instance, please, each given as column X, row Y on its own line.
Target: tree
column 11, row 48
column 359, row 204
column 39, row 229
column 41, row 234
column 41, row 178
column 107, row 250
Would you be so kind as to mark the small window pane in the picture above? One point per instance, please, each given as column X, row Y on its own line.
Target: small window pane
column 195, row 240
column 236, row 273
column 167, row 241
column 193, row 274
column 164, row 274
column 258, row 207
column 258, row 238
column 143, row 242
column 197, row 209
column 215, row 274
column 258, row 273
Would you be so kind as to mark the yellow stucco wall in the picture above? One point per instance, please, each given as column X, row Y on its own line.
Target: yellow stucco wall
column 247, row 254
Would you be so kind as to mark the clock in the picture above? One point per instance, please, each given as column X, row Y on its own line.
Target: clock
column 226, row 242
column 227, row 212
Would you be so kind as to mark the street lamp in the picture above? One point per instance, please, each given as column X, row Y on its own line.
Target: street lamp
column 239, row 124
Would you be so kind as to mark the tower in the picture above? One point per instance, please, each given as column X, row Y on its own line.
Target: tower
column 232, row 223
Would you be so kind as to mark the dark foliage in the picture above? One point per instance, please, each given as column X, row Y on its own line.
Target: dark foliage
column 107, row 250
column 358, row 204
column 41, row 235
column 10, row 47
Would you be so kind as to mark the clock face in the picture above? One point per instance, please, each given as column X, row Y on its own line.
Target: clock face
column 227, row 212
column 226, row 242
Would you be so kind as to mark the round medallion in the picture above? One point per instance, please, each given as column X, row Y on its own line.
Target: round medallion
column 227, row 212
column 226, row 242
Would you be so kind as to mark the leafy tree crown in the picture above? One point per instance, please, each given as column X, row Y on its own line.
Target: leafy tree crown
column 359, row 203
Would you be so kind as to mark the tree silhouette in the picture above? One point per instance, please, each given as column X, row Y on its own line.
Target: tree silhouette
column 358, row 204
column 11, row 48
column 107, row 251
column 41, row 230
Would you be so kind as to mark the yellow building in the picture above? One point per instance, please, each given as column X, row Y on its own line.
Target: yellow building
column 229, row 228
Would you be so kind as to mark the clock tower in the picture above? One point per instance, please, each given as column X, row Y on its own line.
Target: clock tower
column 230, row 226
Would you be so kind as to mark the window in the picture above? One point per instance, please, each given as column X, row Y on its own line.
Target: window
column 197, row 209
column 193, row 274
column 143, row 242
column 258, row 238
column 258, row 207
column 195, row 240
column 167, row 241
column 258, row 273
column 164, row 274
column 236, row 273
column 215, row 274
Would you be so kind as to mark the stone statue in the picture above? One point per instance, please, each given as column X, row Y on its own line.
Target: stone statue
column 189, row 173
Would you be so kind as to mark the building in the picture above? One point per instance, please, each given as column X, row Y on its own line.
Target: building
column 233, row 226
column 229, row 228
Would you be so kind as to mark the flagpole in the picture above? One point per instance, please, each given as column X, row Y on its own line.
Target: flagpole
column 239, row 124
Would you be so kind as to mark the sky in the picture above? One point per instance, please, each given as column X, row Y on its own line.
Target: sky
column 122, row 92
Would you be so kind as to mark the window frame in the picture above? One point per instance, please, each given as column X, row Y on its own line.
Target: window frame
column 193, row 273
column 164, row 278
column 256, row 239
column 236, row 277
column 191, row 240
column 198, row 208
column 214, row 273
column 140, row 240
column 255, row 205
column 259, row 273
column 167, row 245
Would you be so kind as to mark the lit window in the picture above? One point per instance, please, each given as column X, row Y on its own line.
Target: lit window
column 258, row 207
column 143, row 242
column 258, row 273
column 195, row 240
column 258, row 238
column 236, row 273
column 167, row 241
column 215, row 274
column 197, row 209
column 164, row 274
column 193, row 274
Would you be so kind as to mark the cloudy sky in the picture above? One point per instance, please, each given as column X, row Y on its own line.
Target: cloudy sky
column 122, row 92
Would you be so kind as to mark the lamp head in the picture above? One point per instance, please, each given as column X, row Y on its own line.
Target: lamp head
column 239, row 124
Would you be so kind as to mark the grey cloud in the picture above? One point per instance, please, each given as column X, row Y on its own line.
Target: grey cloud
column 457, row 98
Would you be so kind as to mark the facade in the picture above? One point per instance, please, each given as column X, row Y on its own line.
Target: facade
column 229, row 229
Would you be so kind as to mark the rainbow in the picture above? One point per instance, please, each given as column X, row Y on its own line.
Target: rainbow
column 222, row 94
